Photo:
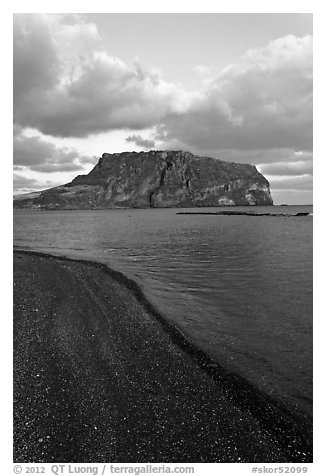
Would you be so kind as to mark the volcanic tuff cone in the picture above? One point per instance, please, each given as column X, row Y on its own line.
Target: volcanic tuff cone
column 156, row 179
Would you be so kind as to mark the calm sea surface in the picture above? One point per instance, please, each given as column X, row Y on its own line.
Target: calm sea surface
column 238, row 287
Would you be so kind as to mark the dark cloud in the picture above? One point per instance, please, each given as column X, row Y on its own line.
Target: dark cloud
column 28, row 184
column 40, row 155
column 140, row 141
column 35, row 63
column 67, row 85
column 21, row 181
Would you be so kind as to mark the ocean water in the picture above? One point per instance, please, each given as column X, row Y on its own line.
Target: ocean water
column 238, row 287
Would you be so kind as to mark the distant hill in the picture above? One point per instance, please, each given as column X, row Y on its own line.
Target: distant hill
column 155, row 179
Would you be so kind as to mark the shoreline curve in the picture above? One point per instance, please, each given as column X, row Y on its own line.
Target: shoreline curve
column 284, row 426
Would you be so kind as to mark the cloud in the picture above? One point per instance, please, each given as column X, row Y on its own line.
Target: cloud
column 300, row 167
column 40, row 155
column 24, row 184
column 264, row 101
column 140, row 141
column 261, row 156
column 67, row 85
column 302, row 182
column 35, row 64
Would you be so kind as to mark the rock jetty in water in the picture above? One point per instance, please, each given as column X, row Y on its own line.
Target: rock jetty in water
column 156, row 179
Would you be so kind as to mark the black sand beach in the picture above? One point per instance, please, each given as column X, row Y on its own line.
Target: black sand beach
column 100, row 376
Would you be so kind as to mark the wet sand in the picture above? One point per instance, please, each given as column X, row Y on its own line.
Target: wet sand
column 101, row 376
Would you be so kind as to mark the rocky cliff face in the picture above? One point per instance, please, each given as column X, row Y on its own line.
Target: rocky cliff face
column 156, row 179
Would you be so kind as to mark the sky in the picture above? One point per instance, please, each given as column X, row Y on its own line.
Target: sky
column 233, row 86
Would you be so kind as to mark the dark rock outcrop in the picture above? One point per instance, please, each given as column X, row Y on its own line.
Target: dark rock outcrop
column 156, row 179
column 248, row 214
